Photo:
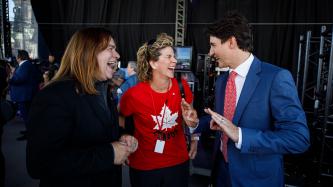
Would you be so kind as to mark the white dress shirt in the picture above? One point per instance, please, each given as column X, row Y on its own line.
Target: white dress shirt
column 241, row 71
column 20, row 64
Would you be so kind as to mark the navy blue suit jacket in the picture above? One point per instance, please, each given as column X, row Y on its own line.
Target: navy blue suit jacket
column 272, row 121
column 24, row 83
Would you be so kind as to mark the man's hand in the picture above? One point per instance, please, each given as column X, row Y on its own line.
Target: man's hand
column 221, row 123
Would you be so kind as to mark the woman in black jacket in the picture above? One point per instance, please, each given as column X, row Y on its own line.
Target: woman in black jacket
column 73, row 133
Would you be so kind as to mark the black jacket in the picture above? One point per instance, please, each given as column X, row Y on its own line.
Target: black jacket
column 69, row 136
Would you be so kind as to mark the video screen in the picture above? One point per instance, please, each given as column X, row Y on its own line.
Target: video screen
column 184, row 58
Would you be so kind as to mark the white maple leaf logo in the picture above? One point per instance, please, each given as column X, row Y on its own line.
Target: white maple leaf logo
column 169, row 119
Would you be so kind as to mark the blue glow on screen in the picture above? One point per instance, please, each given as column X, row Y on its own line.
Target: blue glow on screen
column 184, row 53
column 184, row 58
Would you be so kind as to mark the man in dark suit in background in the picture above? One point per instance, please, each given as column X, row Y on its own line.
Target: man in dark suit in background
column 258, row 116
column 23, row 84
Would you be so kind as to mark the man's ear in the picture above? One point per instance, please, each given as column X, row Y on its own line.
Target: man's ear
column 232, row 42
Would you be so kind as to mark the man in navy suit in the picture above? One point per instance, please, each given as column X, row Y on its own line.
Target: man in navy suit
column 23, row 84
column 267, row 120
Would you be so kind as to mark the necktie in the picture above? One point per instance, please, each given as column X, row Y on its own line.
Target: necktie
column 229, row 109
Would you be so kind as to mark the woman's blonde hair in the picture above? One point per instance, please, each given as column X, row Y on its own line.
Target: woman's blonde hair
column 151, row 51
column 80, row 58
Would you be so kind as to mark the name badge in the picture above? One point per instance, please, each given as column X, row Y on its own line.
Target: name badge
column 159, row 146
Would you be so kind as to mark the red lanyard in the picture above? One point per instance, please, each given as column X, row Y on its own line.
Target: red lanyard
column 160, row 125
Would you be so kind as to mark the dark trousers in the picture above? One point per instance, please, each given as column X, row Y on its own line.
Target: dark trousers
column 24, row 110
column 221, row 175
column 175, row 176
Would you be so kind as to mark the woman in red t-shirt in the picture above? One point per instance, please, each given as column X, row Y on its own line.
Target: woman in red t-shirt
column 158, row 110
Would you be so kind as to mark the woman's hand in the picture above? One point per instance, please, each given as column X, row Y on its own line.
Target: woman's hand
column 189, row 114
column 130, row 141
column 193, row 147
column 121, row 152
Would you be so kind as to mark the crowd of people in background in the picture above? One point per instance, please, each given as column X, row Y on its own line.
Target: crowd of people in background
column 23, row 77
column 21, row 84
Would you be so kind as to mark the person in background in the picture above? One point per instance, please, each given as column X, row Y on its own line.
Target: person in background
column 116, row 81
column 131, row 81
column 258, row 116
column 4, row 74
column 53, row 63
column 155, row 103
column 47, row 76
column 73, row 133
column 23, row 85
column 119, row 77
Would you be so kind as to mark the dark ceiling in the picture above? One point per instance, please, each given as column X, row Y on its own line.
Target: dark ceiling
column 135, row 21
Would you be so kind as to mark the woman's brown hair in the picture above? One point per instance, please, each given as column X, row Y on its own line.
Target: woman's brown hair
column 151, row 51
column 79, row 61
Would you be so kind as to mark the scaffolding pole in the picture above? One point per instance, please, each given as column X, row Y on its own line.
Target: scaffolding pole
column 180, row 23
column 6, row 48
column 306, row 63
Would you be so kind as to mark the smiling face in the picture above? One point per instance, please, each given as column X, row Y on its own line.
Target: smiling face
column 130, row 70
column 220, row 51
column 107, row 61
column 166, row 63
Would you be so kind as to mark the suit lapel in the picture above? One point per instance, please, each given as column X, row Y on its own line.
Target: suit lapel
column 220, row 91
column 250, row 84
column 221, row 83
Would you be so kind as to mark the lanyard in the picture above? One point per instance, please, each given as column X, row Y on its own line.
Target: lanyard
column 160, row 124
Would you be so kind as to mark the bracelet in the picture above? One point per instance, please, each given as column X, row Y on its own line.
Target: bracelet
column 192, row 129
column 196, row 138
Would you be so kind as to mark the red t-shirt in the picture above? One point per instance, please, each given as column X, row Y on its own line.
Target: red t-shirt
column 149, row 109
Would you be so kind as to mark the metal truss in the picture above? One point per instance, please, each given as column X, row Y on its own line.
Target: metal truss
column 6, row 50
column 316, row 94
column 180, row 23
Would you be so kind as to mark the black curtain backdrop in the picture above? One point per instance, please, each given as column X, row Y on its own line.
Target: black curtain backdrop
column 276, row 24
column 132, row 21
